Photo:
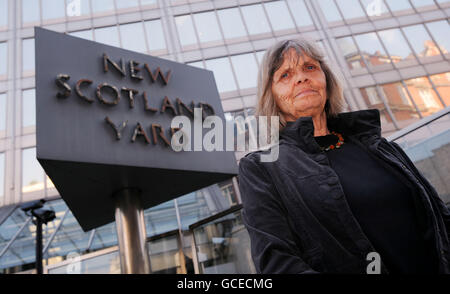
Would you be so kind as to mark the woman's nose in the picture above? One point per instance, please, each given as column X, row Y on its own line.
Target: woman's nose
column 301, row 78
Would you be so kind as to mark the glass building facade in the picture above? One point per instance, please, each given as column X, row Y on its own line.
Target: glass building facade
column 392, row 55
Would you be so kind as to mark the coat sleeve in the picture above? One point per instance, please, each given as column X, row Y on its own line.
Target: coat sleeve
column 272, row 245
column 444, row 210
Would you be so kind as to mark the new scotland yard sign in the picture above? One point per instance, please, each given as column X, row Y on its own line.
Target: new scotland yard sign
column 103, row 123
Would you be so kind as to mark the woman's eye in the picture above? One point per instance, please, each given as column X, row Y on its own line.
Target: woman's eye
column 310, row 67
column 285, row 75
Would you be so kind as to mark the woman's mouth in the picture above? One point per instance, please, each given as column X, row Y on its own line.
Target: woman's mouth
column 305, row 93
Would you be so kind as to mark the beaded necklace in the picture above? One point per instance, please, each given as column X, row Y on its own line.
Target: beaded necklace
column 337, row 145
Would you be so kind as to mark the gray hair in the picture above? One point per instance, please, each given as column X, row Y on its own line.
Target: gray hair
column 273, row 59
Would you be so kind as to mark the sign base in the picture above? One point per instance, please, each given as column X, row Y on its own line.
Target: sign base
column 131, row 234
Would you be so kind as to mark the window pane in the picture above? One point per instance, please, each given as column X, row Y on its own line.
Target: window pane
column 231, row 21
column 255, row 19
column 374, row 8
column 3, row 58
column 207, row 27
column 3, row 13
column 28, row 108
column 148, row 2
column 105, row 236
column 9, row 228
column 350, row 8
column 198, row 64
column 422, row 3
column 350, row 52
column 371, row 49
column 246, row 70
column 396, row 45
column 32, row 172
column 161, row 218
column 70, row 237
column 442, row 84
column 421, row 42
column 330, row 10
column 194, row 206
column 77, row 7
column 133, row 37
column 53, row 9
column 259, row 56
column 2, row 175
column 2, row 112
column 440, row 31
column 373, row 100
column 85, row 7
column 107, row 35
column 397, row 5
column 22, row 250
column 155, row 35
column 279, row 16
column 163, row 254
column 102, row 5
column 401, row 106
column 300, row 12
column 126, row 3
column 30, row 11
column 83, row 34
column 27, row 54
column 423, row 94
column 222, row 73
column 185, row 29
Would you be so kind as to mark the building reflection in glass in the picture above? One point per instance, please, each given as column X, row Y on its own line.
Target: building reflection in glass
column 397, row 99
column 442, row 84
column 424, row 96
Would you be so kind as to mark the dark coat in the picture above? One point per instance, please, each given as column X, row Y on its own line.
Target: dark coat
column 295, row 210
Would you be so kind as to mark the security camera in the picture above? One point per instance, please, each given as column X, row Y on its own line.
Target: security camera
column 45, row 215
column 32, row 205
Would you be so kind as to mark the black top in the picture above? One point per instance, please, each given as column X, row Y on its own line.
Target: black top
column 383, row 202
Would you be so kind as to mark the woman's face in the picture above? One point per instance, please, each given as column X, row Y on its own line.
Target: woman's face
column 299, row 86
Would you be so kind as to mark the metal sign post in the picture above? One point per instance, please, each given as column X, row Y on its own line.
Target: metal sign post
column 131, row 234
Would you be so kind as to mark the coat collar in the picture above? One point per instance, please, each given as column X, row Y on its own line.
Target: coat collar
column 358, row 125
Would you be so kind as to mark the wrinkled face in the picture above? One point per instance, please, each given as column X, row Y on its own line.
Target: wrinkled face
column 299, row 86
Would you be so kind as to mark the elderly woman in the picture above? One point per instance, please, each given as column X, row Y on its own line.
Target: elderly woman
column 340, row 198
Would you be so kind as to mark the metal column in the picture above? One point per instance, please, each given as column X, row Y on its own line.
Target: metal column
column 39, row 246
column 131, row 235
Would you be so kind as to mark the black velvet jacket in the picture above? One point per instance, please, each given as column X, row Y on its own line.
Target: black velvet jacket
column 295, row 210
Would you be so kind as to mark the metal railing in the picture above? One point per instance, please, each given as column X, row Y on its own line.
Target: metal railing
column 421, row 123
